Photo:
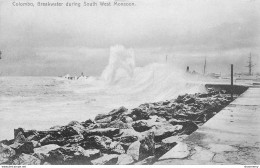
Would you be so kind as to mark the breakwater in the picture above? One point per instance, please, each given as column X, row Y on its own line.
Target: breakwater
column 122, row 136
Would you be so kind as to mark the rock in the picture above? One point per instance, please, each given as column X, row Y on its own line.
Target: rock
column 126, row 119
column 126, row 137
column 92, row 153
column 101, row 116
column 36, row 144
column 174, row 121
column 104, row 120
column 25, row 159
column 97, row 142
column 109, row 132
column 18, row 130
column 180, row 151
column 74, row 139
column 143, row 148
column 88, row 123
column 117, row 111
column 133, row 150
column 20, row 138
column 70, row 130
column 164, row 131
column 56, row 127
column 124, row 159
column 46, row 149
column 6, row 154
column 189, row 100
column 138, row 114
column 172, row 139
column 118, row 124
column 116, row 148
column 7, row 142
column 26, row 147
column 141, row 126
column 147, row 147
column 144, row 125
column 49, row 139
column 147, row 161
column 106, row 160
column 68, row 155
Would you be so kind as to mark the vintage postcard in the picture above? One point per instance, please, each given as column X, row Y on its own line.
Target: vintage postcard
column 129, row 82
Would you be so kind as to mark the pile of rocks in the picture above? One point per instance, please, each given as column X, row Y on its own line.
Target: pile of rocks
column 138, row 136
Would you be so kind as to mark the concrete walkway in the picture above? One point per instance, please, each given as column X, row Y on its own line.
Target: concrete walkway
column 230, row 137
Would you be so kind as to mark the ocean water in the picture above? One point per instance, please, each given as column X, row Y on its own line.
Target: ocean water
column 42, row 102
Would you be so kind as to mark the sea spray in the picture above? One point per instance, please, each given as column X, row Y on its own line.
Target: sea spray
column 121, row 64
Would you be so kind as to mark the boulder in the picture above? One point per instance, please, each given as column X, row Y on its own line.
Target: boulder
column 143, row 148
column 126, row 119
column 147, row 161
column 26, row 147
column 144, row 125
column 125, row 159
column 97, row 142
column 106, row 160
column 74, row 139
column 126, row 137
column 25, row 159
column 104, row 120
column 109, row 132
column 92, row 153
column 6, row 154
column 166, row 130
column 133, row 150
column 118, row 124
column 139, row 114
column 36, row 144
column 118, row 111
column 101, row 116
column 50, row 139
column 46, row 149
column 18, row 130
column 189, row 100
column 147, row 147
column 20, row 138
column 7, row 142
column 87, row 123
column 172, row 139
column 141, row 126
column 73, row 129
column 115, row 148
column 68, row 155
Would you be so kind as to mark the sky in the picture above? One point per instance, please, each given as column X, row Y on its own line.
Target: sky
column 52, row 41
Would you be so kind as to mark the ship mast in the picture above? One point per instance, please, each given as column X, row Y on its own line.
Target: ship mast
column 205, row 64
column 250, row 65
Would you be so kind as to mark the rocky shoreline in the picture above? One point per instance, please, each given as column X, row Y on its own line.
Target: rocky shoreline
column 138, row 136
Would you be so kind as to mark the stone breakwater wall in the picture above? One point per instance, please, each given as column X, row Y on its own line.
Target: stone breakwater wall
column 137, row 136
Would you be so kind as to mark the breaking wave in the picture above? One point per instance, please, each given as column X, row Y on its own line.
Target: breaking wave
column 154, row 82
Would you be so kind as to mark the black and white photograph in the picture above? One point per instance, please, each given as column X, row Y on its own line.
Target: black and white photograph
column 129, row 82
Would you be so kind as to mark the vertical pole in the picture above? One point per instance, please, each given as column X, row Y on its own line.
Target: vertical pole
column 231, row 90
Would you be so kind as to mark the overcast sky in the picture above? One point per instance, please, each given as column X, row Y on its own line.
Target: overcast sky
column 60, row 40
